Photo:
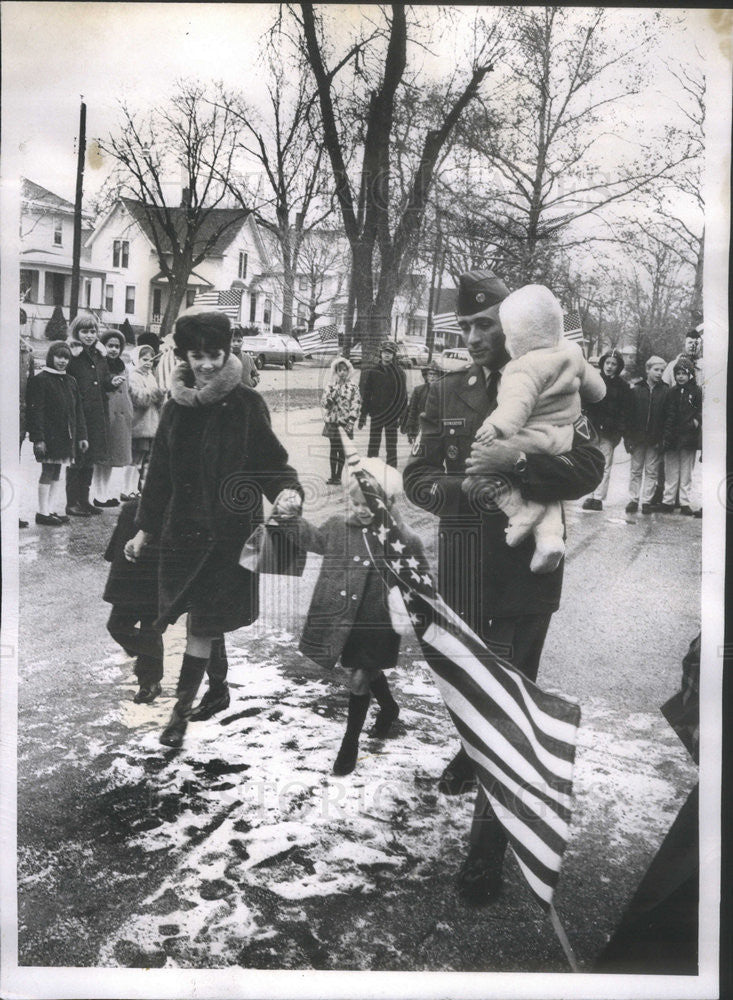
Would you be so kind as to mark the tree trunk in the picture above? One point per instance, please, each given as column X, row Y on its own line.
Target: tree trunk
column 288, row 294
column 696, row 309
column 176, row 293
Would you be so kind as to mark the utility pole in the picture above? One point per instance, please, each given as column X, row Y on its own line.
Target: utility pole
column 76, row 251
column 433, row 298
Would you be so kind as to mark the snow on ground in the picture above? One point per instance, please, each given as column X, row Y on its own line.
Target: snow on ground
column 264, row 829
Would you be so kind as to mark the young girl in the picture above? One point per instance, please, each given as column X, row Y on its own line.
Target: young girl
column 341, row 404
column 147, row 397
column 56, row 427
column 349, row 616
column 94, row 381
column 682, row 416
column 119, row 408
column 537, row 404
column 214, row 455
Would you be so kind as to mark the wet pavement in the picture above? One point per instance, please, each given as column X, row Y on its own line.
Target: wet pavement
column 242, row 849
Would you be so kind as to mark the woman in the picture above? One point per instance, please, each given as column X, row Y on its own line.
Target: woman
column 94, row 381
column 119, row 410
column 214, row 455
column 341, row 404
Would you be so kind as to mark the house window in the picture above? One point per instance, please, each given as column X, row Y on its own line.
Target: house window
column 58, row 233
column 130, row 300
column 121, row 253
column 87, row 293
column 109, row 297
column 190, row 297
column 303, row 283
column 157, row 303
column 242, row 264
column 267, row 312
column 301, row 314
column 26, row 285
column 252, row 307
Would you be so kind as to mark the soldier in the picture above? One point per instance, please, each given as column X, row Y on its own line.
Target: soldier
column 489, row 584
column 384, row 399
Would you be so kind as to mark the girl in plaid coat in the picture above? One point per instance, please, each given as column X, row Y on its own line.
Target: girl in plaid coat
column 341, row 405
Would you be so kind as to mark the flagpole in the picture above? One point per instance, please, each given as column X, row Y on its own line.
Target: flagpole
column 563, row 939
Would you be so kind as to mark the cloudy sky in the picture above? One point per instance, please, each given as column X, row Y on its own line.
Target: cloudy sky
column 55, row 52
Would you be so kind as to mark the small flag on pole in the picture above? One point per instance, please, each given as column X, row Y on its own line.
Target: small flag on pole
column 520, row 739
column 572, row 326
column 322, row 340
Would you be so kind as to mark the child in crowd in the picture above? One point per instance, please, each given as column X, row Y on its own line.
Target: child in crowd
column 341, row 403
column 56, row 427
column 119, row 409
column 411, row 419
column 147, row 398
column 349, row 616
column 538, row 401
column 609, row 418
column 682, row 416
column 250, row 375
column 643, row 436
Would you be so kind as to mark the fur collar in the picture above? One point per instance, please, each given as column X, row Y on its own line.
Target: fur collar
column 183, row 392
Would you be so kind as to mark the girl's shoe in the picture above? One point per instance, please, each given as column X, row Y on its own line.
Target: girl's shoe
column 62, row 517
column 211, row 703
column 113, row 502
column 384, row 720
column 346, row 758
column 50, row 519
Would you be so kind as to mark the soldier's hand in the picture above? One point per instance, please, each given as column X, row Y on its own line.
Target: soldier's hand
column 493, row 458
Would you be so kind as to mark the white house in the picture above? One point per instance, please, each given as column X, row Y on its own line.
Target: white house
column 46, row 243
column 233, row 271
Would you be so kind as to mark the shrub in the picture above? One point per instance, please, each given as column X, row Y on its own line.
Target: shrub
column 57, row 327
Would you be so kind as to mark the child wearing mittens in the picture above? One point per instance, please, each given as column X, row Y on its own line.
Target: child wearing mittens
column 56, row 426
column 538, row 401
column 350, row 612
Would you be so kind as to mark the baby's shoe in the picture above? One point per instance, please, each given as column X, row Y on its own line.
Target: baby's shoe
column 548, row 553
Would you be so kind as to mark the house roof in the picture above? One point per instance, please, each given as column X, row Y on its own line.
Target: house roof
column 34, row 193
column 215, row 220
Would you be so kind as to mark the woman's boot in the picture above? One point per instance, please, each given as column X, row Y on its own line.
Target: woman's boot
column 389, row 710
column 189, row 680
column 349, row 749
column 216, row 696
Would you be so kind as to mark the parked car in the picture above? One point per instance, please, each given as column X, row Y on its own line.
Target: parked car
column 273, row 349
column 454, row 358
column 417, row 352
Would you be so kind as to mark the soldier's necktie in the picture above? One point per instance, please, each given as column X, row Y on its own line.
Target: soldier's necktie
column 492, row 387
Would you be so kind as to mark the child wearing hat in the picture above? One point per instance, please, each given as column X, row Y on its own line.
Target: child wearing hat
column 411, row 419
column 349, row 616
column 147, row 398
column 682, row 415
column 119, row 409
column 56, row 426
column 538, row 401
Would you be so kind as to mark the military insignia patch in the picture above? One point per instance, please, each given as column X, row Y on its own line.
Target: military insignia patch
column 452, row 451
column 582, row 428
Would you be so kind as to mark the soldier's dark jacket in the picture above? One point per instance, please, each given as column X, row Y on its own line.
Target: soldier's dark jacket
column 479, row 575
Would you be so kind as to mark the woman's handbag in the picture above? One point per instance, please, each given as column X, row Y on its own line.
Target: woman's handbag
column 273, row 548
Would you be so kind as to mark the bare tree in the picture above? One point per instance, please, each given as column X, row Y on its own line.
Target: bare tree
column 547, row 136
column 382, row 235
column 198, row 138
column 321, row 275
column 289, row 197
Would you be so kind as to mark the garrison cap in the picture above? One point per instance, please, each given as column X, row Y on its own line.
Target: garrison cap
column 478, row 290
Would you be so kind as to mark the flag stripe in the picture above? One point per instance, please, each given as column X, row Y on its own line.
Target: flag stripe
column 521, row 687
column 486, row 683
column 503, row 751
column 520, row 738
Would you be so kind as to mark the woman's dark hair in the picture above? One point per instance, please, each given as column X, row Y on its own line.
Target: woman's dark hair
column 114, row 335
column 203, row 330
column 58, row 347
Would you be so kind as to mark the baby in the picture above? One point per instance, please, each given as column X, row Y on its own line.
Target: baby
column 538, row 402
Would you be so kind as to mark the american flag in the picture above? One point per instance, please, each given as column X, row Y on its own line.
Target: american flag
column 520, row 739
column 227, row 300
column 572, row 326
column 322, row 340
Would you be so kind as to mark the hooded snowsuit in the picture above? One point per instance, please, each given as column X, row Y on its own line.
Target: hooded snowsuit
column 341, row 404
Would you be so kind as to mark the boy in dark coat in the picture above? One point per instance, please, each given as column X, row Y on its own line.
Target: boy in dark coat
column 411, row 419
column 682, row 437
column 384, row 399
column 351, row 615
column 609, row 417
column 643, row 435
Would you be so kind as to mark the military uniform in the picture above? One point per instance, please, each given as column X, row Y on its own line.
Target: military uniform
column 489, row 584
